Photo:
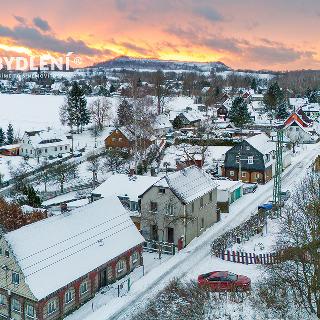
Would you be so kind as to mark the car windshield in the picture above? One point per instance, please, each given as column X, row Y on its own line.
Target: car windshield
column 232, row 276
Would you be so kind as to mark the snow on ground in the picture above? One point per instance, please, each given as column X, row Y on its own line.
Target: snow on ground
column 195, row 258
column 34, row 112
column 109, row 294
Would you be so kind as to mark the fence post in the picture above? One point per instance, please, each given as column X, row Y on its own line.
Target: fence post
column 233, row 256
column 228, row 255
column 246, row 257
column 238, row 257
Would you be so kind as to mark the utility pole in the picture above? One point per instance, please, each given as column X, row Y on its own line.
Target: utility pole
column 278, row 172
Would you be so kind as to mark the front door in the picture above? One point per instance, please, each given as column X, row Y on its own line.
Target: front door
column 170, row 235
column 103, row 278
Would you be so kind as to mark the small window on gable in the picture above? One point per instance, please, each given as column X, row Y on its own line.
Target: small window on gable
column 250, row 160
column 201, row 202
column 248, row 148
column 231, row 173
column 162, row 190
column 210, row 196
column 6, row 253
column 15, row 278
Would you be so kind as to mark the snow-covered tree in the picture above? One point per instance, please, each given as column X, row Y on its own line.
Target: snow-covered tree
column 239, row 113
column 10, row 134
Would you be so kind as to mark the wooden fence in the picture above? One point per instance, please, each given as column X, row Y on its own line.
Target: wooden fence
column 247, row 258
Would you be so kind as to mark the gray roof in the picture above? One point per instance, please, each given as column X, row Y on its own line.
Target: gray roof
column 188, row 184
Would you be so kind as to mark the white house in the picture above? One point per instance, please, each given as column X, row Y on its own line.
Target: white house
column 44, row 144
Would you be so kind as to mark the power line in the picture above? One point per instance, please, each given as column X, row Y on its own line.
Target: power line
column 49, row 265
column 74, row 236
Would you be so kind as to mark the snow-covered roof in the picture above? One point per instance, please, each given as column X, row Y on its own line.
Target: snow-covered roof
column 188, row 184
column 311, row 107
column 58, row 250
column 49, row 138
column 228, row 185
column 298, row 102
column 122, row 185
column 262, row 143
column 162, row 121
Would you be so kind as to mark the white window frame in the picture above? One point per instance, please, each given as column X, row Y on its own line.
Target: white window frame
column 82, row 285
column 231, row 173
column 28, row 308
column 134, row 257
column 250, row 160
column 68, row 296
column 120, row 266
column 52, row 307
column 13, row 305
column 244, row 174
column 170, row 209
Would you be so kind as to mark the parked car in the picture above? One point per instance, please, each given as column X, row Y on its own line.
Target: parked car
column 249, row 187
column 266, row 206
column 224, row 281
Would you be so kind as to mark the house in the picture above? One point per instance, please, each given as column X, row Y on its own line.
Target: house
column 312, row 110
column 10, row 150
column 298, row 133
column 123, row 139
column 256, row 97
column 227, row 193
column 162, row 125
column 179, row 207
column 188, row 118
column 127, row 188
column 253, row 157
column 298, row 117
column 44, row 144
column 51, row 267
column 222, row 112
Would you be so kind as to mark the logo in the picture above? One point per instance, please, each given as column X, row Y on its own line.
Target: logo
column 42, row 63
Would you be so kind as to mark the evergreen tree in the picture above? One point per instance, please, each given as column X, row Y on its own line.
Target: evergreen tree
column 112, row 88
column 281, row 111
column 78, row 114
column 2, row 137
column 273, row 96
column 10, row 137
column 239, row 113
column 254, row 84
column 125, row 113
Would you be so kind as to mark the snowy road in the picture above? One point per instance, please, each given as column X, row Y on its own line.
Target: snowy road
column 190, row 261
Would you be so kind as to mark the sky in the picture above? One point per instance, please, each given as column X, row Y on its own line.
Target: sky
column 244, row 34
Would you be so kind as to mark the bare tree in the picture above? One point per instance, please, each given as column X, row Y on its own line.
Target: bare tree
column 298, row 269
column 64, row 172
column 93, row 166
column 161, row 89
column 100, row 112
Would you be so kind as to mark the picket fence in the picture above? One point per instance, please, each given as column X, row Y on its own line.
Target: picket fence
column 247, row 258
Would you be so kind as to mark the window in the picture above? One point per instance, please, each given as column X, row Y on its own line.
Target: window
column 15, row 305
column 113, row 139
column 31, row 151
column 3, row 300
column 0, row 251
column 15, row 278
column 201, row 202
column 237, row 159
column 68, row 296
column 135, row 257
column 21, row 150
column 26, row 150
column 162, row 190
column 52, row 306
column 120, row 266
column 60, row 148
column 248, row 148
column 250, row 160
column 45, row 150
column 6, row 253
column 170, row 209
column 66, row 147
column 153, row 206
column 120, row 139
column 192, row 207
column 84, row 287
column 257, row 175
column 244, row 174
column 55, row 148
column 30, row 311
column 210, row 196
column 202, row 223
column 134, row 206
column 231, row 173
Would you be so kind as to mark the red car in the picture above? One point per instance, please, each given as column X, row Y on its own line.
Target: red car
column 224, row 281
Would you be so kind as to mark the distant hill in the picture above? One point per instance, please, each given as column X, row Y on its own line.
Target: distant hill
column 129, row 63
